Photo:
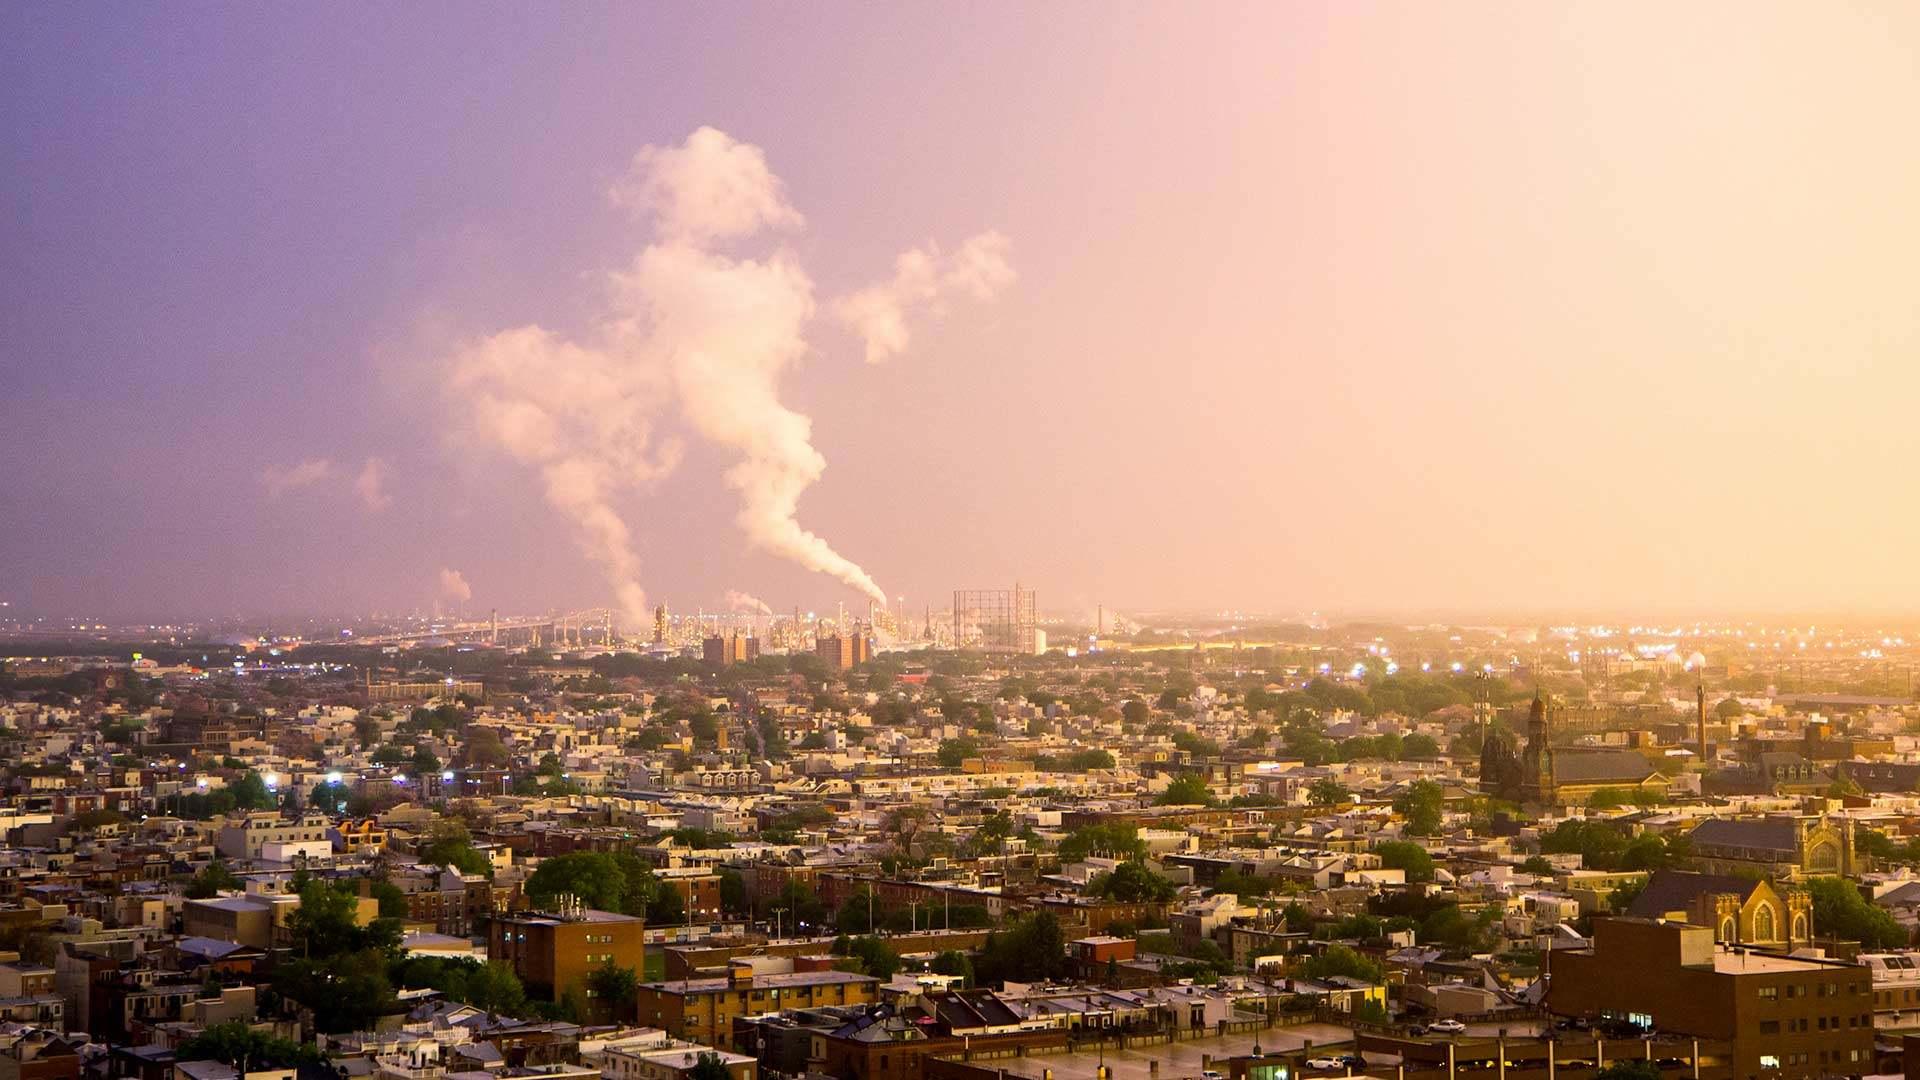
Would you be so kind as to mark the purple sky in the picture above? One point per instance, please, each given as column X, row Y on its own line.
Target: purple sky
column 1352, row 307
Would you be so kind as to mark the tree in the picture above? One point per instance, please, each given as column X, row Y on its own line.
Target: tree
column 329, row 797
column 733, row 891
column 235, row 1043
column 1842, row 912
column 1114, row 841
column 872, row 956
column 1598, row 844
column 1190, row 790
column 326, row 923
column 1134, row 711
column 1402, row 855
column 1729, row 708
column 450, row 844
column 1421, row 805
column 1537, row 865
column 250, row 792
column 617, row 882
column 954, row 962
column 425, row 763
column 616, row 987
column 1132, row 883
column 1622, row 896
column 954, row 751
column 1419, row 747
column 212, row 881
column 1032, row 948
column 1327, row 791
column 1341, row 960
column 709, row 1066
column 483, row 747
column 393, row 902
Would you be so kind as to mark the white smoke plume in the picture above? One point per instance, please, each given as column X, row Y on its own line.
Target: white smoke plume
column 752, row 605
column 703, row 327
column 371, row 485
column 924, row 278
column 454, row 587
column 280, row 479
column 583, row 418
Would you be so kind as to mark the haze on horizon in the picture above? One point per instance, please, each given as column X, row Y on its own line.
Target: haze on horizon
column 1356, row 308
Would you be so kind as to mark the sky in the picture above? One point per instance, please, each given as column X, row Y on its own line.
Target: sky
column 1386, row 308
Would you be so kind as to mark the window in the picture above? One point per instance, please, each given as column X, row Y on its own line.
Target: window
column 1769, row 1027
column 1769, row 993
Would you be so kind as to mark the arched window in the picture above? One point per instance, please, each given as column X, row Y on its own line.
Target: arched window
column 1825, row 855
column 1800, row 931
column 1728, row 931
column 1763, row 923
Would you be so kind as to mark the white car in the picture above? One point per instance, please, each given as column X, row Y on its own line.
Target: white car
column 1325, row 1063
column 1211, row 1074
column 1447, row 1027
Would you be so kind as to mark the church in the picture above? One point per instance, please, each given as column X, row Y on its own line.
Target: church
column 1538, row 774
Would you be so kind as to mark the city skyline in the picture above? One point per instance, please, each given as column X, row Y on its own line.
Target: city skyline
column 1353, row 310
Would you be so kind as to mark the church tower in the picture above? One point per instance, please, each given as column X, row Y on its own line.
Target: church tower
column 1538, row 786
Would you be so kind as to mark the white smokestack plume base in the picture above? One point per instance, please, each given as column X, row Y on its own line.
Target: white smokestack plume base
column 454, row 587
column 753, row 605
column 712, row 331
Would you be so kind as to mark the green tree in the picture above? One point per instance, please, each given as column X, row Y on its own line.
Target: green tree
column 212, row 881
column 954, row 962
column 425, row 762
column 250, row 792
column 1598, row 844
column 954, row 751
column 450, row 844
column 1111, row 840
column 330, row 798
column 872, row 956
column 1419, row 747
column 1403, row 855
column 1841, row 911
column 235, row 1043
column 615, row 987
column 709, row 1066
column 1131, row 883
column 1189, row 790
column 1135, row 711
column 393, row 902
column 1327, row 791
column 1030, row 949
column 1340, row 960
column 1421, row 806
column 1537, row 865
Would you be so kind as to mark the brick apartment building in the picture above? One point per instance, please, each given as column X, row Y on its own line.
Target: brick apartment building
column 1785, row 1016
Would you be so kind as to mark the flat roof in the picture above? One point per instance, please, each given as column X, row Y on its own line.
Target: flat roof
column 1752, row 962
column 760, row 982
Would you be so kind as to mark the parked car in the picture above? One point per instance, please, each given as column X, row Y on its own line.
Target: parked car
column 1324, row 1063
column 1211, row 1074
column 1353, row 1061
column 1447, row 1027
